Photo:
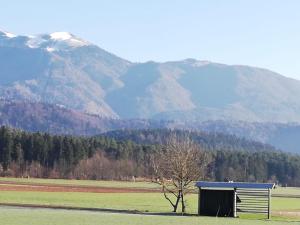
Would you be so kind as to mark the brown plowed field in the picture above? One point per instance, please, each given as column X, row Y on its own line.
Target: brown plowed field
column 11, row 186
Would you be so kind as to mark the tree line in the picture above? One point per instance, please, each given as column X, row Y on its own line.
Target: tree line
column 123, row 157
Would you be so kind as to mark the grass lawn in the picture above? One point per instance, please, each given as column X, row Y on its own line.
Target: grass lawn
column 143, row 202
column 285, row 204
column 18, row 216
column 287, row 191
column 93, row 183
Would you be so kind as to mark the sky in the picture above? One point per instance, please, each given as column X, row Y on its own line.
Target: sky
column 248, row 32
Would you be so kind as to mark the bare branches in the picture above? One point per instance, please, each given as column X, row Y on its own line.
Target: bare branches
column 179, row 163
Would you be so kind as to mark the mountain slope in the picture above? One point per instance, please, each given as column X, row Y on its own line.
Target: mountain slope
column 49, row 118
column 282, row 136
column 60, row 68
column 195, row 90
column 56, row 119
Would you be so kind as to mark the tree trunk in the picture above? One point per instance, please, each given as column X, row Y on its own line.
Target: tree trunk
column 182, row 204
column 177, row 202
column 175, row 206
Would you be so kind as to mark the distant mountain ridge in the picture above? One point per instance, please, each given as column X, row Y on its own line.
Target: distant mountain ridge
column 63, row 69
column 56, row 119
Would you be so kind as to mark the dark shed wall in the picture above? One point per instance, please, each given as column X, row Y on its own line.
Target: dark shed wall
column 216, row 202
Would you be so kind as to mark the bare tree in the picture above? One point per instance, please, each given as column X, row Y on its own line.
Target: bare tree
column 176, row 166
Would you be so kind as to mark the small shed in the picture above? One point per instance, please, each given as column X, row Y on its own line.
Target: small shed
column 231, row 198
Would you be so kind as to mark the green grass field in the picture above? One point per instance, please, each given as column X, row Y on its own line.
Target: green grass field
column 287, row 191
column 142, row 202
column 92, row 183
column 18, row 216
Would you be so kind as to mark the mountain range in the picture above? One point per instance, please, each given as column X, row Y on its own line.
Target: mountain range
column 62, row 84
column 65, row 70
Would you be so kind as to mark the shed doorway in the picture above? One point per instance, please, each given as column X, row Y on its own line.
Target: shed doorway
column 216, row 203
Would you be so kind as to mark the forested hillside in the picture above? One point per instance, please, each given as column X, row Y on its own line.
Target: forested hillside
column 209, row 141
column 57, row 119
column 121, row 156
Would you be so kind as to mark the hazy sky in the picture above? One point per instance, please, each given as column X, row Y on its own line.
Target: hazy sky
column 264, row 33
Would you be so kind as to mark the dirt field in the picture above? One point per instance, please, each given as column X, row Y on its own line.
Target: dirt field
column 12, row 186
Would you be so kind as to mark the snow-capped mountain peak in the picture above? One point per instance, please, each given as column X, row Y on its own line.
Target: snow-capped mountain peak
column 69, row 38
column 56, row 41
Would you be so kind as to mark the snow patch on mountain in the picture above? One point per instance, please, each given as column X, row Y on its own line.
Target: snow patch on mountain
column 61, row 36
column 35, row 41
column 68, row 38
column 8, row 34
column 56, row 41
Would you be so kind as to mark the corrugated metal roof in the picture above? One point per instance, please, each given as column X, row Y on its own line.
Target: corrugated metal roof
column 205, row 184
